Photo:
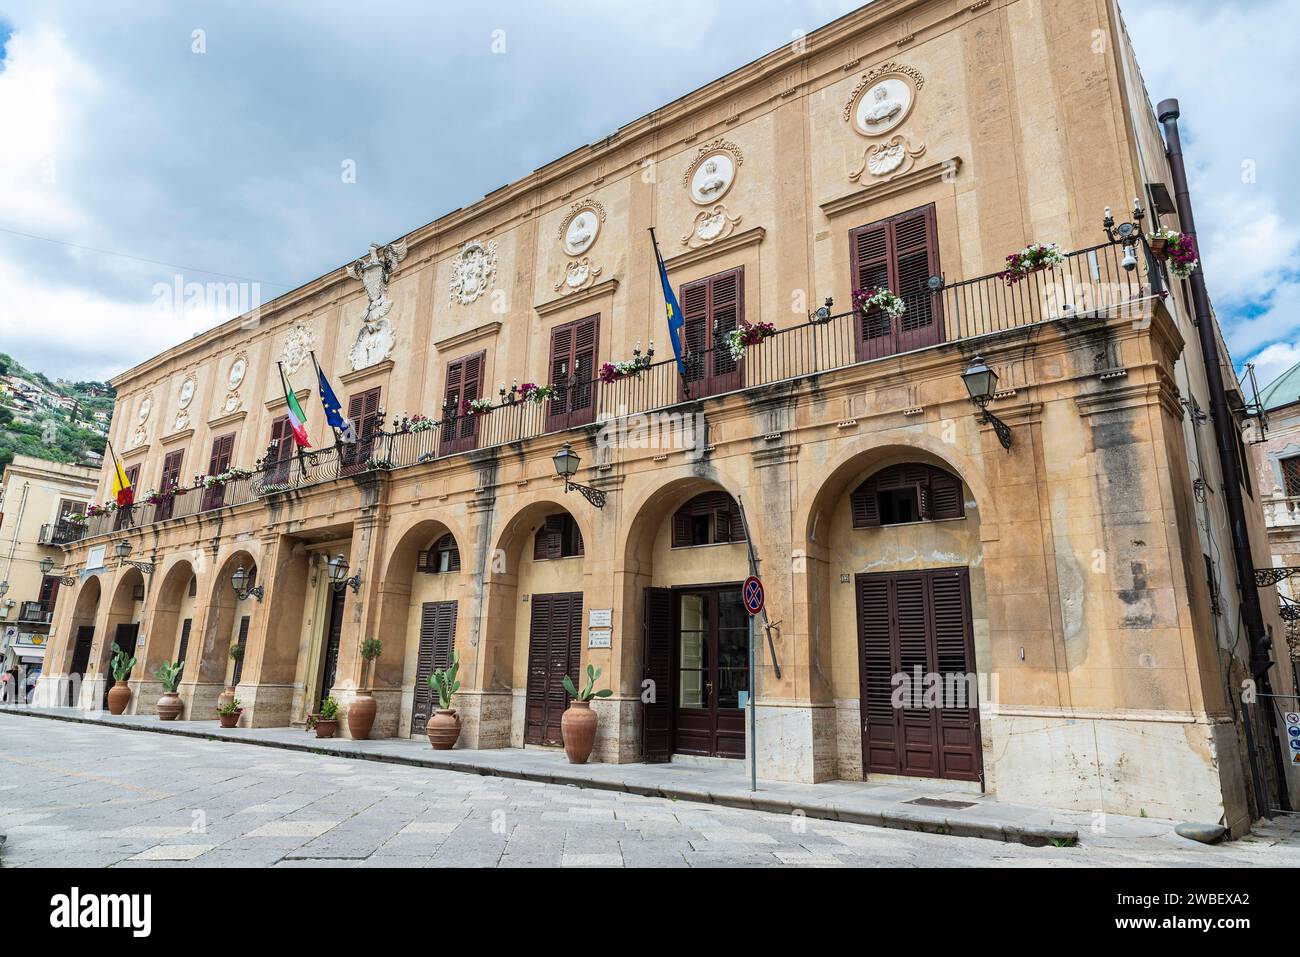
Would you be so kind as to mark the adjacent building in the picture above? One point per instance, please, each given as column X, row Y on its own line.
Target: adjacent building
column 37, row 500
column 1058, row 553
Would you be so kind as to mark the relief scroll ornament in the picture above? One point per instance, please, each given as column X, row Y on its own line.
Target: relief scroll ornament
column 578, row 274
column 710, row 225
column 376, row 339
column 886, row 160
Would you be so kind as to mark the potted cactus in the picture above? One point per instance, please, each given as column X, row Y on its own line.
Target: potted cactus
column 228, row 713
column 578, row 723
column 227, row 696
column 361, row 713
column 326, row 719
column 169, row 705
column 443, row 727
column 119, row 696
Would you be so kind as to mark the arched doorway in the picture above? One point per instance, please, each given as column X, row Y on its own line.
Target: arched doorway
column 226, row 622
column 81, row 641
column 895, row 579
column 534, row 622
column 169, row 629
column 125, row 614
column 421, row 599
column 685, row 559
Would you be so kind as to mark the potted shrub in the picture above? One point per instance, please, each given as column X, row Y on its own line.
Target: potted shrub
column 227, row 696
column 443, row 727
column 361, row 713
column 169, row 705
column 120, row 694
column 228, row 713
column 578, row 723
column 326, row 719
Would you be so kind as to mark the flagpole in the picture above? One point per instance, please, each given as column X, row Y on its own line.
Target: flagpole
column 288, row 390
column 315, row 365
column 663, row 279
column 120, row 477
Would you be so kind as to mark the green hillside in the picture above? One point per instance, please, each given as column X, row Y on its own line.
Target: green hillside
column 40, row 427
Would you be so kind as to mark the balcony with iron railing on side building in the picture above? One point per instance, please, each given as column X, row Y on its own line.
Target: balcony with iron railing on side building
column 34, row 613
column 1090, row 282
column 62, row 532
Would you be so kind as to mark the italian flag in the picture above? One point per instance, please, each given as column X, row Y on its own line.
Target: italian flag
column 297, row 420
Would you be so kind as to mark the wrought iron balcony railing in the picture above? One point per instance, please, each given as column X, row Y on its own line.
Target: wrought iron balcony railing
column 34, row 612
column 61, row 533
column 1090, row 282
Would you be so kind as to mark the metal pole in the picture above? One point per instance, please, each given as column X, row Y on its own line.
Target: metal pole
column 749, row 704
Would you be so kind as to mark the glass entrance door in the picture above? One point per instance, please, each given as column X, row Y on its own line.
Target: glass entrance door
column 712, row 672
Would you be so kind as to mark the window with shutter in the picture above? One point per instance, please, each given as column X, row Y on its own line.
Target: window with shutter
column 184, row 648
column 279, row 451
column 657, row 673
column 554, row 651
column 442, row 557
column 710, row 518
column 574, row 349
column 49, row 593
column 464, row 382
column 558, row 537
column 223, row 448
column 711, row 308
column 909, row 492
column 901, row 254
column 243, row 643
column 124, row 518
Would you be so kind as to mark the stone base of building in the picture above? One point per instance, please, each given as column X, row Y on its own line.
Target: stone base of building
column 265, row 705
column 200, row 701
column 388, row 712
column 618, row 730
column 796, row 742
column 144, row 696
column 485, row 719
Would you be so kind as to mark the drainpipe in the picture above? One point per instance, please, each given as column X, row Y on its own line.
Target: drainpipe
column 1261, row 657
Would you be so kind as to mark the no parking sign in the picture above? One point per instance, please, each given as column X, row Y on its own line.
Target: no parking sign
column 752, row 594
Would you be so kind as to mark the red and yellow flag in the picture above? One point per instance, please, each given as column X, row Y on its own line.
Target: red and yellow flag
column 122, row 491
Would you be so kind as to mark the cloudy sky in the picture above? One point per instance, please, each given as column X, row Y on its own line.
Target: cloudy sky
column 136, row 149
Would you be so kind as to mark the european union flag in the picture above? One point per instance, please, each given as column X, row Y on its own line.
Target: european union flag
column 334, row 411
column 676, row 321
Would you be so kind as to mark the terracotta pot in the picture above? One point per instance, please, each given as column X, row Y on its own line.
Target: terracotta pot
column 119, row 696
column 230, row 720
column 327, row 727
column 443, row 729
column 578, row 728
column 225, row 698
column 169, row 706
column 361, row 715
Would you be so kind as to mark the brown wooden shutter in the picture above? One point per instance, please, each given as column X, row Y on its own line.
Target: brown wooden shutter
column 194, row 586
column 711, row 308
column 725, row 313
column 695, row 329
column 945, row 495
column 539, row 649
column 186, row 625
column 657, row 667
column 171, row 470
column 464, row 382
column 243, row 641
column 901, row 254
column 448, row 544
column 880, row 745
column 548, row 542
column 223, row 447
column 574, row 348
column 865, row 505
column 49, row 593
column 959, row 740
column 561, row 371
column 437, row 642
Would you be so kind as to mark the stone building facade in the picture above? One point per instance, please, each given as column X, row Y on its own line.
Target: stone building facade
column 910, row 144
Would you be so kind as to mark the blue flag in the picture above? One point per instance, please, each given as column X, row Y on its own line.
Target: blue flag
column 334, row 411
column 676, row 321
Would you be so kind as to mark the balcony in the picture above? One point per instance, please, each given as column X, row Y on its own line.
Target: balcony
column 33, row 612
column 1090, row 283
column 61, row 533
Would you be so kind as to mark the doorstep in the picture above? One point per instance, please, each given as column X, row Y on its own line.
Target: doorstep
column 893, row 805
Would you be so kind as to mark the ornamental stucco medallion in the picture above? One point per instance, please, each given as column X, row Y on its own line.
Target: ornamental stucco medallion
column 298, row 345
column 578, row 232
column 146, row 406
column 579, row 274
column 185, row 394
column 707, row 179
column 238, row 369
column 376, row 338
column 472, row 272
column 880, row 103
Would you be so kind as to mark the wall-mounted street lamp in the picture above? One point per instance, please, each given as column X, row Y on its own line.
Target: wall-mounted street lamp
column 47, row 564
column 981, row 381
column 123, row 550
column 566, row 466
column 1129, row 234
column 339, row 575
column 239, row 582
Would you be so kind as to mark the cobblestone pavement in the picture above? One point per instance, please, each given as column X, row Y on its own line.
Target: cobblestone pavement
column 76, row 795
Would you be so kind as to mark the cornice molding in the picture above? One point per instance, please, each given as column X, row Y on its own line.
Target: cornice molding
column 598, row 291
column 181, row 436
column 228, row 418
column 465, row 338
column 750, row 237
column 877, row 191
column 356, row 375
column 133, row 452
column 282, row 402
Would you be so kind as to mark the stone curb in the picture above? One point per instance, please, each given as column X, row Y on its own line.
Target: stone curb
column 1030, row 835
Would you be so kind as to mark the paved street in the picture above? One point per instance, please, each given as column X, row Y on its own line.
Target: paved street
column 74, row 795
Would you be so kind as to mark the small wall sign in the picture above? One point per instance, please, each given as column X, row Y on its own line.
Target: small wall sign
column 600, row 618
column 600, row 638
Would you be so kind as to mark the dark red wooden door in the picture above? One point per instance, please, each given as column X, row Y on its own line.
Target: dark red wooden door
column 363, row 413
column 901, row 254
column 573, row 371
column 223, row 448
column 437, row 641
column 712, row 672
column 171, row 478
column 657, row 668
column 330, row 663
column 554, row 650
column 918, row 625
column 711, row 308
column 80, row 660
column 125, row 638
column 464, row 382
column 238, row 675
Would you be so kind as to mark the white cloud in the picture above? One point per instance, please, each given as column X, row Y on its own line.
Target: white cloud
column 1274, row 360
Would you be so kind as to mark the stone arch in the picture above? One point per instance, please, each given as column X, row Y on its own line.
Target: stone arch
column 397, row 625
column 123, row 609
column 835, row 553
column 211, row 651
column 85, row 610
column 491, row 650
column 170, row 593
